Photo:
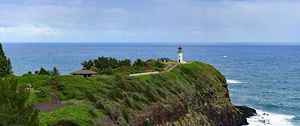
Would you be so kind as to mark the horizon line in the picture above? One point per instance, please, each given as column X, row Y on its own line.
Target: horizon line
column 164, row 43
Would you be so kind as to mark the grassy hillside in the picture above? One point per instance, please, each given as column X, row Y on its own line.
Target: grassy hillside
column 190, row 94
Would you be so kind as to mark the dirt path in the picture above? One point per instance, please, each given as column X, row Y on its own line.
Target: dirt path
column 171, row 67
column 166, row 69
column 47, row 107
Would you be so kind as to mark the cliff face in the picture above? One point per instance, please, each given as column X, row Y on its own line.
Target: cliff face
column 203, row 100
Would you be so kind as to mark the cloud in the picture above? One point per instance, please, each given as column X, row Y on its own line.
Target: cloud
column 151, row 20
column 114, row 10
column 34, row 30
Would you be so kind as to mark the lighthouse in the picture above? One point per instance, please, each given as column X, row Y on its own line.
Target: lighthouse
column 179, row 55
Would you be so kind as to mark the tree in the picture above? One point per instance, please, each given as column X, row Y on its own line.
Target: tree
column 93, row 68
column 106, row 62
column 125, row 62
column 43, row 72
column 5, row 64
column 55, row 72
column 139, row 63
column 13, row 108
column 113, row 62
column 88, row 64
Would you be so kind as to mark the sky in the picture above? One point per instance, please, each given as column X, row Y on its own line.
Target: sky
column 149, row 21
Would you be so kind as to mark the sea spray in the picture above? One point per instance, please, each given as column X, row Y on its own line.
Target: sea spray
column 264, row 118
column 234, row 81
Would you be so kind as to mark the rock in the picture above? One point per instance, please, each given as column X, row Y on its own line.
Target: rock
column 247, row 111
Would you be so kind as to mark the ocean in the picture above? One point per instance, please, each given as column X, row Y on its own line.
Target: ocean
column 265, row 77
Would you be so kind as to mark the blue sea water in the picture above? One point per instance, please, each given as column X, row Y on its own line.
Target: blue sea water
column 266, row 77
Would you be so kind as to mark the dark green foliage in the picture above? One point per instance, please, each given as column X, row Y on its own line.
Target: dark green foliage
column 43, row 93
column 106, row 62
column 88, row 64
column 104, row 106
column 55, row 72
column 93, row 68
column 5, row 64
column 125, row 114
column 107, row 71
column 140, row 97
column 131, row 103
column 13, row 108
column 139, row 63
column 92, row 113
column 110, row 66
column 90, row 97
column 43, row 72
column 126, row 62
column 159, row 64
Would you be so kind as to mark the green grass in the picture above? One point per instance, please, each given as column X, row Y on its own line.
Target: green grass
column 77, row 113
column 34, row 98
column 134, row 93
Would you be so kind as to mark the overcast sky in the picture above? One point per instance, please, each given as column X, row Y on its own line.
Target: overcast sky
column 149, row 20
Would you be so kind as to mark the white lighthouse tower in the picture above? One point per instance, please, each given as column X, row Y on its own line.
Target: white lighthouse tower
column 180, row 55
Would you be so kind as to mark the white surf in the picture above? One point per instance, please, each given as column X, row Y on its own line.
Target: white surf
column 270, row 119
column 234, row 81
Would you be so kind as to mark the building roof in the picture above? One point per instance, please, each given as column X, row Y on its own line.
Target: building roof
column 167, row 59
column 83, row 72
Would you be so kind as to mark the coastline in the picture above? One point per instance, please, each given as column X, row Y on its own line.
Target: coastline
column 264, row 118
column 261, row 117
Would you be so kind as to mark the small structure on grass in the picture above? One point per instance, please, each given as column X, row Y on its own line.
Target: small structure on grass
column 164, row 60
column 84, row 73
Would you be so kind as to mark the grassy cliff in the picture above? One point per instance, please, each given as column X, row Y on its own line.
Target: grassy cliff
column 190, row 94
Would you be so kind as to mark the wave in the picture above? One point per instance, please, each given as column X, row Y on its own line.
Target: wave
column 264, row 118
column 234, row 81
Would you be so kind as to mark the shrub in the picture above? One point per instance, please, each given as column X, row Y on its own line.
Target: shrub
column 125, row 114
column 129, row 102
column 159, row 64
column 107, row 71
column 43, row 93
column 92, row 113
column 93, row 68
column 104, row 106
column 90, row 97
column 115, row 94
column 140, row 97
column 13, row 108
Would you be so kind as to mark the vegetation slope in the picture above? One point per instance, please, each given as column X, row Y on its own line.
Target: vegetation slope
column 191, row 94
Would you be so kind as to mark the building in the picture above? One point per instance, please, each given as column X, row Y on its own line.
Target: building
column 164, row 60
column 180, row 55
column 84, row 73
